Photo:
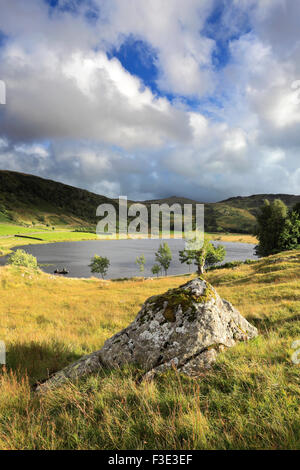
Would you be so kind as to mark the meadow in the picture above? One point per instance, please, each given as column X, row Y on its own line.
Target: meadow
column 249, row 400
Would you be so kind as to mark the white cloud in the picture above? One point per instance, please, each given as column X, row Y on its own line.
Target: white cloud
column 33, row 149
column 107, row 132
column 173, row 28
column 83, row 96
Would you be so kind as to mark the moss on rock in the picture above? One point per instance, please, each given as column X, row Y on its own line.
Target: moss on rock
column 183, row 298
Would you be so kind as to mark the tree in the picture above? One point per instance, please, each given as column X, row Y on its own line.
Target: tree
column 186, row 256
column 207, row 255
column 289, row 238
column 296, row 208
column 272, row 227
column 140, row 261
column 156, row 269
column 164, row 256
column 21, row 258
column 215, row 255
column 99, row 264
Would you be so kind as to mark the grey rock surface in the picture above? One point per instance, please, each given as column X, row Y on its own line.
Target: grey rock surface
column 183, row 328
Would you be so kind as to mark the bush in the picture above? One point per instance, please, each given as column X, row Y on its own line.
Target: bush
column 156, row 268
column 232, row 264
column 21, row 258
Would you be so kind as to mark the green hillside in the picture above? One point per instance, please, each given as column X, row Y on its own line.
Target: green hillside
column 31, row 200
column 27, row 198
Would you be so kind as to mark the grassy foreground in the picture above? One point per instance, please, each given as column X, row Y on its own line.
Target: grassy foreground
column 250, row 400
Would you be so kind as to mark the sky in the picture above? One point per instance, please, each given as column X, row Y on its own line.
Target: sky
column 149, row 99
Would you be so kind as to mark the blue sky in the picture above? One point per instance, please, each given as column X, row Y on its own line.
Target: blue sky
column 139, row 58
column 153, row 98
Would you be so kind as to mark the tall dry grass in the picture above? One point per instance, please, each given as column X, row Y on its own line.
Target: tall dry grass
column 250, row 399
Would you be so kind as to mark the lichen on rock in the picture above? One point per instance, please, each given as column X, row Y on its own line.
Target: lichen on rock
column 184, row 328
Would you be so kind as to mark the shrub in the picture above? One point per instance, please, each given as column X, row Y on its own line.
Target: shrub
column 232, row 264
column 156, row 268
column 21, row 258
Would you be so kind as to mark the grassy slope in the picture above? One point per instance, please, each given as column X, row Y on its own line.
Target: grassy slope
column 27, row 198
column 249, row 400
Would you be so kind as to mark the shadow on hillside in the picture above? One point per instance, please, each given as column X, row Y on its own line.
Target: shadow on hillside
column 38, row 360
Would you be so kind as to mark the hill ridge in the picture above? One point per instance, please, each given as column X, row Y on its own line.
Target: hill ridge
column 26, row 198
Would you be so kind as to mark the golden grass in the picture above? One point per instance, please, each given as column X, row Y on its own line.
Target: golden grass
column 250, row 399
column 233, row 237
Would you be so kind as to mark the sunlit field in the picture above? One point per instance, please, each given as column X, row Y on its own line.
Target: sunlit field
column 250, row 399
column 233, row 237
column 60, row 234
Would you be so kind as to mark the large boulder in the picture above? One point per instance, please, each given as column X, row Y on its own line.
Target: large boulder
column 183, row 328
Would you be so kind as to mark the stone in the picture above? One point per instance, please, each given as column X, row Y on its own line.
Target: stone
column 184, row 328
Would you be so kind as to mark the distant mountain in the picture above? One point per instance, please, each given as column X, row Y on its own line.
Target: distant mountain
column 256, row 200
column 31, row 199
column 171, row 200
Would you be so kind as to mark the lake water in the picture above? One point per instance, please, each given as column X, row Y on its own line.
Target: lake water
column 76, row 256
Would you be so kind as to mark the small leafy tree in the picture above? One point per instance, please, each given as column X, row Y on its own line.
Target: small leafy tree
column 207, row 255
column 100, row 265
column 163, row 256
column 21, row 258
column 140, row 261
column 156, row 269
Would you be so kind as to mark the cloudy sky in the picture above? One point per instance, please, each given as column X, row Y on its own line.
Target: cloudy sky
column 195, row 98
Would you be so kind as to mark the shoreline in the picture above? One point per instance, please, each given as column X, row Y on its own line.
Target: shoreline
column 12, row 241
column 73, row 256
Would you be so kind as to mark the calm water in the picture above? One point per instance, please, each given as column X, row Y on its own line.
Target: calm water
column 76, row 256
